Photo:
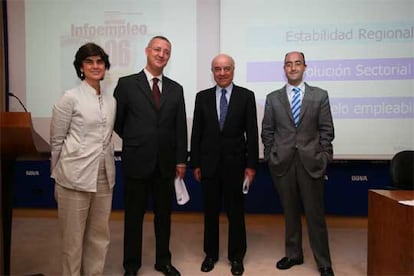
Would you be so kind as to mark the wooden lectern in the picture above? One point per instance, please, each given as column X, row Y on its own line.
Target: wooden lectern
column 18, row 140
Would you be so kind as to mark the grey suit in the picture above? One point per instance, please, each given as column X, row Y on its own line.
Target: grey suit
column 297, row 159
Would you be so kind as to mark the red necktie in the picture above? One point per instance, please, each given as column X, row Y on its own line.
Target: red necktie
column 156, row 92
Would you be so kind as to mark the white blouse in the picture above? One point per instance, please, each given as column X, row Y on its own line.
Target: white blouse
column 80, row 136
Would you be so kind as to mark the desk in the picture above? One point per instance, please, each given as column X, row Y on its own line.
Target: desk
column 390, row 233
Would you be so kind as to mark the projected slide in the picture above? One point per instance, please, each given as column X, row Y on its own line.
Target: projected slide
column 362, row 52
column 54, row 30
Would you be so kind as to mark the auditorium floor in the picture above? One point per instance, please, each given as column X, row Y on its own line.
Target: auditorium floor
column 35, row 245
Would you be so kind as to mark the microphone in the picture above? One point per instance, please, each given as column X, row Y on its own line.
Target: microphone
column 20, row 102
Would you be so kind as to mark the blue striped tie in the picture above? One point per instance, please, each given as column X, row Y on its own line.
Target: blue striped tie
column 223, row 107
column 296, row 105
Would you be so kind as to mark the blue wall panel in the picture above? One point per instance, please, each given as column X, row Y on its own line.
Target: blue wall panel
column 33, row 186
column 346, row 189
column 348, row 182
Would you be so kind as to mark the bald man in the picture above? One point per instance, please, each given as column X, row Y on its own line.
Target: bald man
column 297, row 134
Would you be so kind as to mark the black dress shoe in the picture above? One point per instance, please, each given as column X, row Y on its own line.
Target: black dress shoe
column 237, row 268
column 208, row 264
column 167, row 270
column 286, row 263
column 326, row 271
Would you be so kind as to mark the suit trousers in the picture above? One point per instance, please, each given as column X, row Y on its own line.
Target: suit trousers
column 296, row 189
column 137, row 192
column 84, row 227
column 225, row 188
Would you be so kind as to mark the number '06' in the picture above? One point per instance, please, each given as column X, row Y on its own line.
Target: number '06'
column 119, row 52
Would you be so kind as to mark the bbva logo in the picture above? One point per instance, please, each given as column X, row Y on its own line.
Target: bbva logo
column 32, row 173
column 359, row 178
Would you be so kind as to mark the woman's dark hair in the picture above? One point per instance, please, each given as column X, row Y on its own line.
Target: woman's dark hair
column 88, row 50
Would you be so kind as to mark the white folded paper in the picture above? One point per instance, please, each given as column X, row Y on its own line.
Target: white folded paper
column 407, row 202
column 246, row 185
column 181, row 192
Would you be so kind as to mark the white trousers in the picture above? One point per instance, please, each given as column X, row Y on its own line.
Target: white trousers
column 84, row 227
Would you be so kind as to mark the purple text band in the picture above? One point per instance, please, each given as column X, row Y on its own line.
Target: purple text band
column 337, row 70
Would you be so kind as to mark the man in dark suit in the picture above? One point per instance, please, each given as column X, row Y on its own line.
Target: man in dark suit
column 297, row 153
column 153, row 129
column 222, row 156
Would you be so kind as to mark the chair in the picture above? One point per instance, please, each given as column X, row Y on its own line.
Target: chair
column 402, row 170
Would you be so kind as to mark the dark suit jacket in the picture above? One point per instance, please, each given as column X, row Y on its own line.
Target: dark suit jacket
column 312, row 138
column 150, row 135
column 236, row 144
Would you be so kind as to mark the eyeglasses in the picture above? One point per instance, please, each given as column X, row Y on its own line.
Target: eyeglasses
column 226, row 69
column 159, row 50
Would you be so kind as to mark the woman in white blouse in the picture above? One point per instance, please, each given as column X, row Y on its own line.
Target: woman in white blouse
column 83, row 166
